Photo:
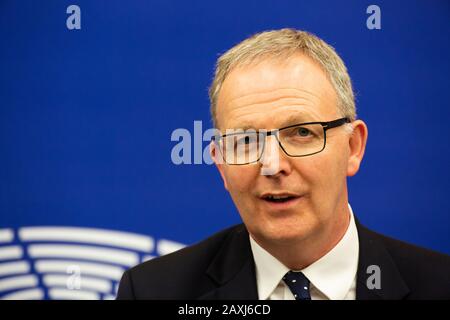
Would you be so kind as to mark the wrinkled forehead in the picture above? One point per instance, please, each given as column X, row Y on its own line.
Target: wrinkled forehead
column 272, row 91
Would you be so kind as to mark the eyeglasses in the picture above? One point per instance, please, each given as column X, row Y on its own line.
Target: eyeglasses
column 304, row 139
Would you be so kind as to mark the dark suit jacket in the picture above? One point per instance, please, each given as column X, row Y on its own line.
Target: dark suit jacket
column 222, row 267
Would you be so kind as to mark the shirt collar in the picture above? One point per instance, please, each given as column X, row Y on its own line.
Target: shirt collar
column 333, row 274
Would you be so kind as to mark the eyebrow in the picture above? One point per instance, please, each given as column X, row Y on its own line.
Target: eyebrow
column 296, row 118
column 292, row 119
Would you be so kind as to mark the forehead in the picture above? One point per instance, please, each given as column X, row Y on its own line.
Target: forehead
column 270, row 92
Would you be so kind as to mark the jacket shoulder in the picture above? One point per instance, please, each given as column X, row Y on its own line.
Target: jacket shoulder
column 178, row 275
column 426, row 272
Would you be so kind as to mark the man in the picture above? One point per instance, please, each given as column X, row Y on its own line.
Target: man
column 284, row 105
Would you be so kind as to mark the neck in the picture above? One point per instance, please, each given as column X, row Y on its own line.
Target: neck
column 299, row 254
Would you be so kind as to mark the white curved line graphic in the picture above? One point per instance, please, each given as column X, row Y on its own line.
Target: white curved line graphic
column 65, row 294
column 167, row 246
column 18, row 282
column 94, row 269
column 87, row 283
column 16, row 267
column 88, row 235
column 29, row 294
column 10, row 252
column 6, row 235
column 41, row 262
column 147, row 258
column 117, row 256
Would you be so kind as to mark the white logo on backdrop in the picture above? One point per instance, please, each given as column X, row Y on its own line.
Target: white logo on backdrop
column 70, row 262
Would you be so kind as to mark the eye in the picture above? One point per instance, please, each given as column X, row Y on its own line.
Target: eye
column 245, row 140
column 303, row 132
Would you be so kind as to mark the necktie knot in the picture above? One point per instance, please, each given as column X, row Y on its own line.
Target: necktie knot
column 298, row 284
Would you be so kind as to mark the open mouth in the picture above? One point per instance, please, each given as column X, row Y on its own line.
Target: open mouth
column 279, row 199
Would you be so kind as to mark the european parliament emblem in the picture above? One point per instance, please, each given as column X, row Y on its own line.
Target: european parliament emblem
column 61, row 262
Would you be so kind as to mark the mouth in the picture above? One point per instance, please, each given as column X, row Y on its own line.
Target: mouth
column 281, row 200
column 278, row 199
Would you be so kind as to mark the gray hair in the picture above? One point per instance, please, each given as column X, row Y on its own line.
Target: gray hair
column 284, row 43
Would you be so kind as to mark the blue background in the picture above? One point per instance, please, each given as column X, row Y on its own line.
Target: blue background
column 86, row 115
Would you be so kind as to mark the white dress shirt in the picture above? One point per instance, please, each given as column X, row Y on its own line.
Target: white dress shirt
column 332, row 277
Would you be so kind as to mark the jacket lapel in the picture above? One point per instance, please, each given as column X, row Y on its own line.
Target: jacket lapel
column 233, row 269
column 373, row 252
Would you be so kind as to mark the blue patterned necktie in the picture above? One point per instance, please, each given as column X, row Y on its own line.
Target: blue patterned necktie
column 299, row 285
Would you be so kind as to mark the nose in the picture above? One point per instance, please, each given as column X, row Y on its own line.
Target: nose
column 274, row 162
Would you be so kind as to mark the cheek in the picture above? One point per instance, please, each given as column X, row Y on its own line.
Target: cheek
column 240, row 179
column 323, row 172
column 314, row 174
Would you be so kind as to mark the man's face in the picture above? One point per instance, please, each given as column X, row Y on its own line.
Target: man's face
column 273, row 94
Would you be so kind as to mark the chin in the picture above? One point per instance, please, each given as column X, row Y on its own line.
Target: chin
column 283, row 234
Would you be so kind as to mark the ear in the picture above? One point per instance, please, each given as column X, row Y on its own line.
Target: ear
column 357, row 146
column 216, row 156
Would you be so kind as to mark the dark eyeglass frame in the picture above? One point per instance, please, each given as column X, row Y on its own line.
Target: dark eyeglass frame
column 326, row 125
